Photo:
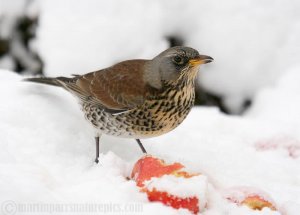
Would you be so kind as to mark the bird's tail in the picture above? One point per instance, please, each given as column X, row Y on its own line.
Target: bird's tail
column 49, row 81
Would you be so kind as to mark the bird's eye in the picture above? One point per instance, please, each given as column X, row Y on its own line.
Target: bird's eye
column 178, row 60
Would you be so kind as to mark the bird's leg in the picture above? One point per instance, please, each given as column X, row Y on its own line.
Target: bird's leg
column 141, row 146
column 97, row 138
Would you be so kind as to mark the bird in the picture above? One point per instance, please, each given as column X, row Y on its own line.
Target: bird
column 138, row 98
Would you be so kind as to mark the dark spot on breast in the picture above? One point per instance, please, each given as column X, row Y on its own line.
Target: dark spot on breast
column 170, row 108
column 153, row 105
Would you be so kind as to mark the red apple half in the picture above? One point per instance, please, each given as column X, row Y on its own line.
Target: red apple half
column 170, row 184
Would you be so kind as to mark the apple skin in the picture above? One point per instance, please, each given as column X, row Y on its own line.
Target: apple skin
column 148, row 167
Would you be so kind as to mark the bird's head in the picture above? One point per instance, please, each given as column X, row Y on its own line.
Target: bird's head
column 175, row 62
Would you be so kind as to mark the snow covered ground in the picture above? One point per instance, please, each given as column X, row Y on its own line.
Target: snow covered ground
column 47, row 148
column 47, row 151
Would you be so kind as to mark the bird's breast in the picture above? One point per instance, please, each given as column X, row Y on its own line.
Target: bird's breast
column 163, row 112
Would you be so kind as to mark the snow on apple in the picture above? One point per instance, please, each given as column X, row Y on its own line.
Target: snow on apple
column 170, row 184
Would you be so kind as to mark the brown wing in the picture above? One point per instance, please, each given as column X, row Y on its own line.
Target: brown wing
column 120, row 87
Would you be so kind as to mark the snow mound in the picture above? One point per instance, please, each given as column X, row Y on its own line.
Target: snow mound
column 47, row 153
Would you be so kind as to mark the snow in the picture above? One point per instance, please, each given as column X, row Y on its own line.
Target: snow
column 100, row 34
column 47, row 152
column 47, row 148
column 282, row 98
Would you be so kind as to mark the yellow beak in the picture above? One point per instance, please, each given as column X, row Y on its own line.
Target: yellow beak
column 201, row 59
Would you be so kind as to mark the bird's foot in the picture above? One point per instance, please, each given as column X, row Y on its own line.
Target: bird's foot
column 97, row 160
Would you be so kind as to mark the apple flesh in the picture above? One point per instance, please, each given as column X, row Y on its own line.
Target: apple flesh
column 251, row 197
column 256, row 202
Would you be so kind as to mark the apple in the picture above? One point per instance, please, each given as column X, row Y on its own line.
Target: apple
column 251, row 197
column 148, row 167
column 256, row 202
column 159, row 180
